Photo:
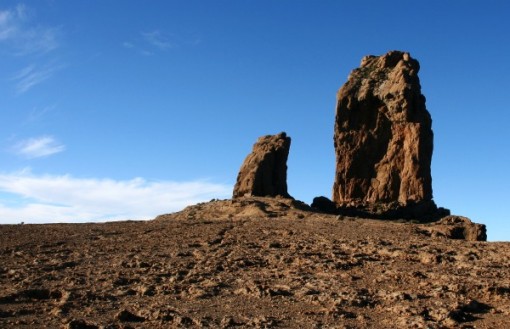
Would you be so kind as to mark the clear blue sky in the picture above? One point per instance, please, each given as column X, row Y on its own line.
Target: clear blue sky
column 129, row 109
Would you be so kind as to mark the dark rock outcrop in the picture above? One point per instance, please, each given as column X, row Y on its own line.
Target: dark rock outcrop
column 425, row 211
column 264, row 171
column 458, row 227
column 323, row 204
column 383, row 136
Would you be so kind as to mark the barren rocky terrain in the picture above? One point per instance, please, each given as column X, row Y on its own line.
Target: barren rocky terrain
column 250, row 262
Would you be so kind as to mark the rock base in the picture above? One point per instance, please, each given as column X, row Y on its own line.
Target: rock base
column 424, row 211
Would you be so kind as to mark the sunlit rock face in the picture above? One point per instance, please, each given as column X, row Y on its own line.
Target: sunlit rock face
column 383, row 136
column 264, row 171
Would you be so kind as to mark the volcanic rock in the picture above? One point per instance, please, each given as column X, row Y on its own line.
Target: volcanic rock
column 264, row 171
column 80, row 324
column 127, row 316
column 383, row 136
column 321, row 203
column 458, row 227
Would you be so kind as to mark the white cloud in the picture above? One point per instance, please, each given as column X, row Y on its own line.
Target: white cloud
column 38, row 147
column 31, row 76
column 157, row 39
column 22, row 37
column 128, row 45
column 38, row 113
column 8, row 22
column 153, row 41
column 64, row 198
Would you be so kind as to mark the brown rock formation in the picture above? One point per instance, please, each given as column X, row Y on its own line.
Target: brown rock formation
column 458, row 227
column 383, row 136
column 264, row 171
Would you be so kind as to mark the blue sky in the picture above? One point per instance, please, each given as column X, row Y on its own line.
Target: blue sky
column 129, row 109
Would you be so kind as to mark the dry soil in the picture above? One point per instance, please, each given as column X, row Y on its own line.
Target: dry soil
column 255, row 263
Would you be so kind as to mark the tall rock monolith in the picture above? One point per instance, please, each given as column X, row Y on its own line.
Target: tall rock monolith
column 383, row 136
column 264, row 171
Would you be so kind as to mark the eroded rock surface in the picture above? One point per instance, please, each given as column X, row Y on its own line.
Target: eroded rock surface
column 458, row 227
column 264, row 171
column 383, row 136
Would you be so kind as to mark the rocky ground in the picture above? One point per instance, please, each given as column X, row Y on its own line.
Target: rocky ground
column 257, row 263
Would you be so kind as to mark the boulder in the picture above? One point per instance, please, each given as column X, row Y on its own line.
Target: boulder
column 264, row 171
column 458, row 227
column 323, row 204
column 383, row 137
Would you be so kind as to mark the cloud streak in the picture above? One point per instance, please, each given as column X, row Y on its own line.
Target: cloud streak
column 50, row 198
column 151, row 42
column 157, row 39
column 38, row 113
column 22, row 38
column 38, row 147
column 31, row 76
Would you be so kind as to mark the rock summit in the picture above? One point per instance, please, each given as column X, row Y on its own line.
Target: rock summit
column 264, row 171
column 383, row 136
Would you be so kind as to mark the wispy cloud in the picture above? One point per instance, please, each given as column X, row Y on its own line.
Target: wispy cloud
column 21, row 37
column 38, row 147
column 33, row 75
column 157, row 39
column 150, row 42
column 38, row 113
column 49, row 198
column 9, row 20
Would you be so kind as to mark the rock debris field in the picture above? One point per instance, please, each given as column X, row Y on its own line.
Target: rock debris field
column 250, row 263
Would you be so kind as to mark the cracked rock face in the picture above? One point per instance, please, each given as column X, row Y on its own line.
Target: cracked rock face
column 264, row 171
column 383, row 136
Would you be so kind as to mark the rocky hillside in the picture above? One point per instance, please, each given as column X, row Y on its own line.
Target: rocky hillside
column 251, row 263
